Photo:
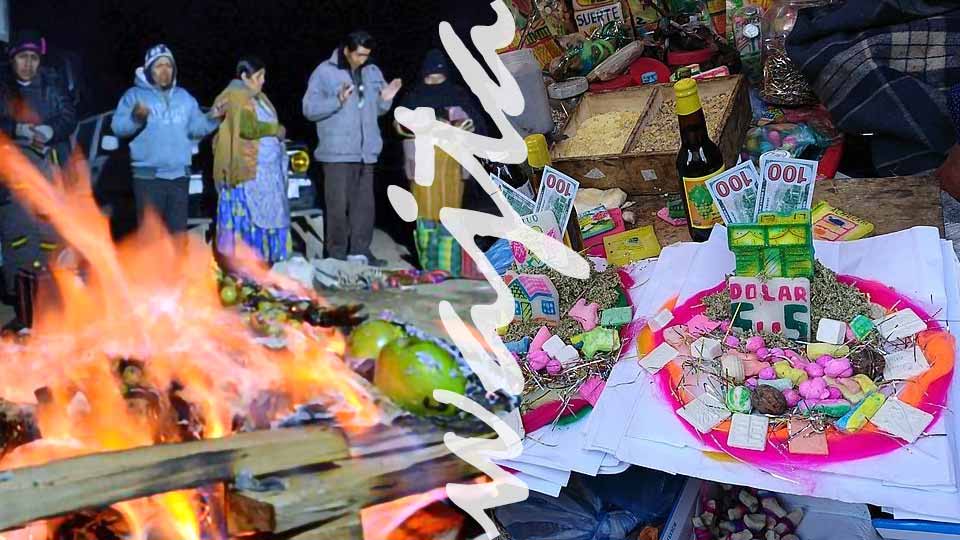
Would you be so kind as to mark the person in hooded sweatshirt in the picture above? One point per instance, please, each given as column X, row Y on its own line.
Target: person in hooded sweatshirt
column 345, row 97
column 165, row 122
column 38, row 114
column 452, row 104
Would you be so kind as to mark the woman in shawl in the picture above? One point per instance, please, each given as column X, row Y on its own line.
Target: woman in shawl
column 451, row 103
column 249, row 167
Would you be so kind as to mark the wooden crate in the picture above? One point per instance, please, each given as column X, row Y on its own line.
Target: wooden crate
column 650, row 172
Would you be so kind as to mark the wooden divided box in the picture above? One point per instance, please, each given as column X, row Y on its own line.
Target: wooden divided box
column 647, row 162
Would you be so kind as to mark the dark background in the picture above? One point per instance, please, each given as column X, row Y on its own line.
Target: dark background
column 109, row 38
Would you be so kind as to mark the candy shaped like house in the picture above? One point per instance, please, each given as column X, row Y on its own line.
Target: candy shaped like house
column 775, row 246
column 535, row 298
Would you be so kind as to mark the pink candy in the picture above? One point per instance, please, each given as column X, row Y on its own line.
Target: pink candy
column 835, row 392
column 813, row 370
column 768, row 374
column 755, row 343
column 778, row 352
column 838, row 367
column 762, row 352
column 724, row 326
column 792, row 397
column 554, row 367
column 752, row 382
column 822, row 361
column 814, row 389
column 542, row 336
column 538, row 360
column 731, row 341
column 793, row 355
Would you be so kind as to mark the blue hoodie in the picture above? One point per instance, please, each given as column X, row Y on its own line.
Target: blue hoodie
column 162, row 147
column 347, row 133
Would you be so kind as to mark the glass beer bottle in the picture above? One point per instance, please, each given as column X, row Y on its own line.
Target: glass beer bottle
column 699, row 160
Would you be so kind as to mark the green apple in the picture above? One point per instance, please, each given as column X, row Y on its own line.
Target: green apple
column 409, row 370
column 228, row 295
column 368, row 339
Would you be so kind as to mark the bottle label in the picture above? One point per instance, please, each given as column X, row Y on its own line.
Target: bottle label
column 703, row 209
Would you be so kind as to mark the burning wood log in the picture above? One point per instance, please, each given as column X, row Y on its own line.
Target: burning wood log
column 97, row 480
column 331, row 495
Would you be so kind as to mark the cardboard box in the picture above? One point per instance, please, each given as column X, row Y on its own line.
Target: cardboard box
column 650, row 172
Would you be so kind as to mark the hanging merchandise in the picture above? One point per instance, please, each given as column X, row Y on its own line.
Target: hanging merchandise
column 592, row 14
column 783, row 84
column 747, row 39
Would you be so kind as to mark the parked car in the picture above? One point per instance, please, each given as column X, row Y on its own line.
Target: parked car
column 108, row 158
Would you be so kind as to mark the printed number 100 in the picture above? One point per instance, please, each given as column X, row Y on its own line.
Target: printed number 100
column 733, row 184
column 559, row 185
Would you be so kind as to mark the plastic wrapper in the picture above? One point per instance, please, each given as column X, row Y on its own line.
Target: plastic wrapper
column 601, row 508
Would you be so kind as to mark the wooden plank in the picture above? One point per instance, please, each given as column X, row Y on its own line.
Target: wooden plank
column 63, row 486
column 891, row 204
column 328, row 495
column 347, row 527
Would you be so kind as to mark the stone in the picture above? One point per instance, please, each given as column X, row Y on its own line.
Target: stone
column 706, row 349
column 739, row 400
column 861, row 327
column 900, row 325
column 535, row 298
column 869, row 362
column 660, row 321
column 616, row 317
column 858, row 417
column 586, row 314
column 831, row 331
column 905, row 365
column 769, row 400
column 804, row 440
column 901, row 420
column 704, row 413
column 659, row 357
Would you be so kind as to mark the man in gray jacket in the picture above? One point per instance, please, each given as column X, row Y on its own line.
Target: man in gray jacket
column 345, row 96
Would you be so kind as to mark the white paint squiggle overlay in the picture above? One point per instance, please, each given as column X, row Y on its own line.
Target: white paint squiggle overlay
column 499, row 370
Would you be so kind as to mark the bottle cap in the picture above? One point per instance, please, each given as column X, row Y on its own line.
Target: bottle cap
column 538, row 155
column 688, row 97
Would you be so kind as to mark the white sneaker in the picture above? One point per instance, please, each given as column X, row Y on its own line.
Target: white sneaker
column 361, row 259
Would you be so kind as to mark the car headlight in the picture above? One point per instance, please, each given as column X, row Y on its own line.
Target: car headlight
column 299, row 162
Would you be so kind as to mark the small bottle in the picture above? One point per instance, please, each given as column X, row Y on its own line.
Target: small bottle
column 698, row 160
column 538, row 157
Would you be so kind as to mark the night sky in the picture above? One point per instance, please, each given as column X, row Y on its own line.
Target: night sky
column 109, row 37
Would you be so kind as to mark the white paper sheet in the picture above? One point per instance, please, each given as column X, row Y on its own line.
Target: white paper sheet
column 915, row 263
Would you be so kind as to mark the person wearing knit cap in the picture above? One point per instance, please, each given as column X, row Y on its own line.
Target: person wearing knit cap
column 37, row 113
column 164, row 122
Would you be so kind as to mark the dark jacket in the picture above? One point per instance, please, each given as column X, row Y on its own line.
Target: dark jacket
column 45, row 101
column 347, row 133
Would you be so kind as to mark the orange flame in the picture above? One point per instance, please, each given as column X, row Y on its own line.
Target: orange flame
column 152, row 298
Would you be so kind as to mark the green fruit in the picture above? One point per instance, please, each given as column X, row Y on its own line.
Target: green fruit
column 368, row 339
column 409, row 370
column 228, row 295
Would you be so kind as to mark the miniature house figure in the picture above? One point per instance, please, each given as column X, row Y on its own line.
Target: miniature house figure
column 535, row 298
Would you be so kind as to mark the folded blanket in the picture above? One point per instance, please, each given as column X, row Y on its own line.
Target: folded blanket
column 885, row 67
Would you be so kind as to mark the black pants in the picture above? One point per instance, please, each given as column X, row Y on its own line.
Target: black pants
column 168, row 198
column 351, row 210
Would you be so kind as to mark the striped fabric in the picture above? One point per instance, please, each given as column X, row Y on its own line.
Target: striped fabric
column 885, row 67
